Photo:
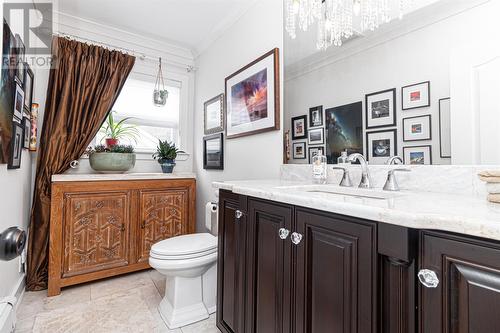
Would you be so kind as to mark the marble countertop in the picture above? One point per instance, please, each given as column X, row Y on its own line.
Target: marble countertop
column 120, row 176
column 464, row 214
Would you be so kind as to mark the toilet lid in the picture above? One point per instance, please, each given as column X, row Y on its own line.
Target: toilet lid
column 186, row 245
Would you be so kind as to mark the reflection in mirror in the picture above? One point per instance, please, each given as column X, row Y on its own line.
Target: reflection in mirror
column 424, row 87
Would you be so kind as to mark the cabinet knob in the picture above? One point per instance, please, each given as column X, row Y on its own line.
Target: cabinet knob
column 296, row 238
column 123, row 227
column 428, row 278
column 143, row 224
column 284, row 233
column 238, row 214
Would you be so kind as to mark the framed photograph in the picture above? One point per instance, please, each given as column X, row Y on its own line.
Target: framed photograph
column 34, row 129
column 417, row 128
column 213, row 152
column 445, row 128
column 20, row 60
column 214, row 115
column 253, row 97
column 299, row 150
column 316, row 116
column 26, row 124
column 299, row 127
column 16, row 148
column 381, row 109
column 28, row 89
column 421, row 155
column 18, row 104
column 381, row 145
column 313, row 151
column 344, row 130
column 416, row 96
column 316, row 136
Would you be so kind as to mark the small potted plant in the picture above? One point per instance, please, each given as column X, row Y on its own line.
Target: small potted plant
column 166, row 153
column 114, row 131
column 114, row 159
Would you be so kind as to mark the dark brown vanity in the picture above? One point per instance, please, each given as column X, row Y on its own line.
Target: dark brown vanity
column 284, row 268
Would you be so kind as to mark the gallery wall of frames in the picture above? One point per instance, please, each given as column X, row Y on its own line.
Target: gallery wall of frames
column 18, row 113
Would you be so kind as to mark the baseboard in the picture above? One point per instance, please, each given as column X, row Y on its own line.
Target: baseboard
column 18, row 290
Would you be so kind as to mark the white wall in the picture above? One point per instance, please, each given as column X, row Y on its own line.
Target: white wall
column 258, row 31
column 415, row 56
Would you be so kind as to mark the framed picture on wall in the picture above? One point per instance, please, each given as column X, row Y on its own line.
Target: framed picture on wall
column 214, row 115
column 299, row 127
column 18, row 104
column 253, row 97
column 418, row 155
column 26, row 124
column 28, row 89
column 445, row 128
column 381, row 109
column 313, row 151
column 316, row 136
column 299, row 150
column 213, row 152
column 16, row 147
column 417, row 128
column 416, row 96
column 316, row 116
column 381, row 145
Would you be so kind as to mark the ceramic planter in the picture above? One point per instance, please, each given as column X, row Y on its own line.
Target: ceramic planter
column 167, row 166
column 112, row 162
column 111, row 142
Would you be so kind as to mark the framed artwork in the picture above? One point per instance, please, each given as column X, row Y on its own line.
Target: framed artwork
column 34, row 129
column 299, row 150
column 381, row 109
column 344, row 130
column 20, row 60
column 416, row 96
column 313, row 151
column 299, row 127
column 26, row 124
column 28, row 89
column 381, row 145
column 445, row 128
column 252, row 97
column 17, row 147
column 420, row 155
column 213, row 152
column 18, row 104
column 214, row 115
column 316, row 116
column 286, row 147
column 417, row 128
column 316, row 136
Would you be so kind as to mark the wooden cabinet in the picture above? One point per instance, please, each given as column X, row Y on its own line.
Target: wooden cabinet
column 105, row 228
column 466, row 295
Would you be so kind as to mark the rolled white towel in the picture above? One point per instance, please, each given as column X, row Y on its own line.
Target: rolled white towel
column 493, row 188
column 495, row 198
column 490, row 176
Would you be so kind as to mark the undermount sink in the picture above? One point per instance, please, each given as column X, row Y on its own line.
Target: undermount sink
column 346, row 191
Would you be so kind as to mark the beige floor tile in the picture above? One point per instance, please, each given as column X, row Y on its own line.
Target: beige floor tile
column 118, row 284
column 205, row 326
column 69, row 296
column 31, row 304
column 158, row 280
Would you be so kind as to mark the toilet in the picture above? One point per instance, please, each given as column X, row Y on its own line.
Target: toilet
column 189, row 264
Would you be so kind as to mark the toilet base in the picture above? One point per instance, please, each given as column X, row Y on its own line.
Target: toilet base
column 183, row 302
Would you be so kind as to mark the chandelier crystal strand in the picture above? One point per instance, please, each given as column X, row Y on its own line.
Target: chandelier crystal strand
column 291, row 18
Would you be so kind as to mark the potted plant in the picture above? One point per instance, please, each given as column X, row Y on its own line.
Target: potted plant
column 116, row 158
column 114, row 131
column 166, row 153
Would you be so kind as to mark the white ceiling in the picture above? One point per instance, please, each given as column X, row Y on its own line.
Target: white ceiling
column 189, row 23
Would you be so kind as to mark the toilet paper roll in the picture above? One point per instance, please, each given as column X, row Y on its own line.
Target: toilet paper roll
column 210, row 214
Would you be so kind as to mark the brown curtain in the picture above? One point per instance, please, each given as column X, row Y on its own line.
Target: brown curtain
column 84, row 82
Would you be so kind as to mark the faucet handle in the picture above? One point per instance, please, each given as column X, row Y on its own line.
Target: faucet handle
column 391, row 183
column 392, row 171
column 346, row 176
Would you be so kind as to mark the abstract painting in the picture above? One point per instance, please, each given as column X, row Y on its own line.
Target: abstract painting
column 344, row 130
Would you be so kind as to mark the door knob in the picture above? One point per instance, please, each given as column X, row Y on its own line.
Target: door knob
column 238, row 214
column 428, row 278
column 284, row 233
column 296, row 238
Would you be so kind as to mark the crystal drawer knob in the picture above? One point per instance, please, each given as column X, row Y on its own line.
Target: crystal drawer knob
column 296, row 238
column 238, row 214
column 284, row 233
column 428, row 278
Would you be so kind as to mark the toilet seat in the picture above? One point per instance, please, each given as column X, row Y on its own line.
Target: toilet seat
column 184, row 247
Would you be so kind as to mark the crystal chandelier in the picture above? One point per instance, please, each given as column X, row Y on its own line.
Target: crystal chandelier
column 335, row 17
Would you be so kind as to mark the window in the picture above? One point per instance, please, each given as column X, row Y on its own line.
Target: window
column 153, row 123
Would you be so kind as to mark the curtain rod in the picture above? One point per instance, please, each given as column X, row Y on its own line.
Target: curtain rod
column 141, row 55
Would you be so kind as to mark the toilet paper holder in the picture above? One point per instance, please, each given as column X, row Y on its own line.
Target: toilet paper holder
column 12, row 243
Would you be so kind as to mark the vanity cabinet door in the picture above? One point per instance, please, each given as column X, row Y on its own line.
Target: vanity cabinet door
column 335, row 275
column 460, row 290
column 268, row 267
column 163, row 214
column 231, row 262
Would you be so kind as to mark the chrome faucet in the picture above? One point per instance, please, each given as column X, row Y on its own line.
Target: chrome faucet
column 391, row 184
column 365, row 175
column 394, row 160
column 346, row 177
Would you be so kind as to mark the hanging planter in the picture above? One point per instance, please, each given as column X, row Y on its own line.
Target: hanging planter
column 160, row 93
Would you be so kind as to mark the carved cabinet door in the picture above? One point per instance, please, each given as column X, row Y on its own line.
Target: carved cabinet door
column 96, row 228
column 163, row 214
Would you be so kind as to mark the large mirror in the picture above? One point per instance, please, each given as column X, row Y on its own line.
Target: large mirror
column 424, row 84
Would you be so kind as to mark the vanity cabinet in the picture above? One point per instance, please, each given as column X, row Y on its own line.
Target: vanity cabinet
column 100, row 229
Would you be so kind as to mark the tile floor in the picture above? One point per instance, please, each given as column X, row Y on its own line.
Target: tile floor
column 122, row 304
